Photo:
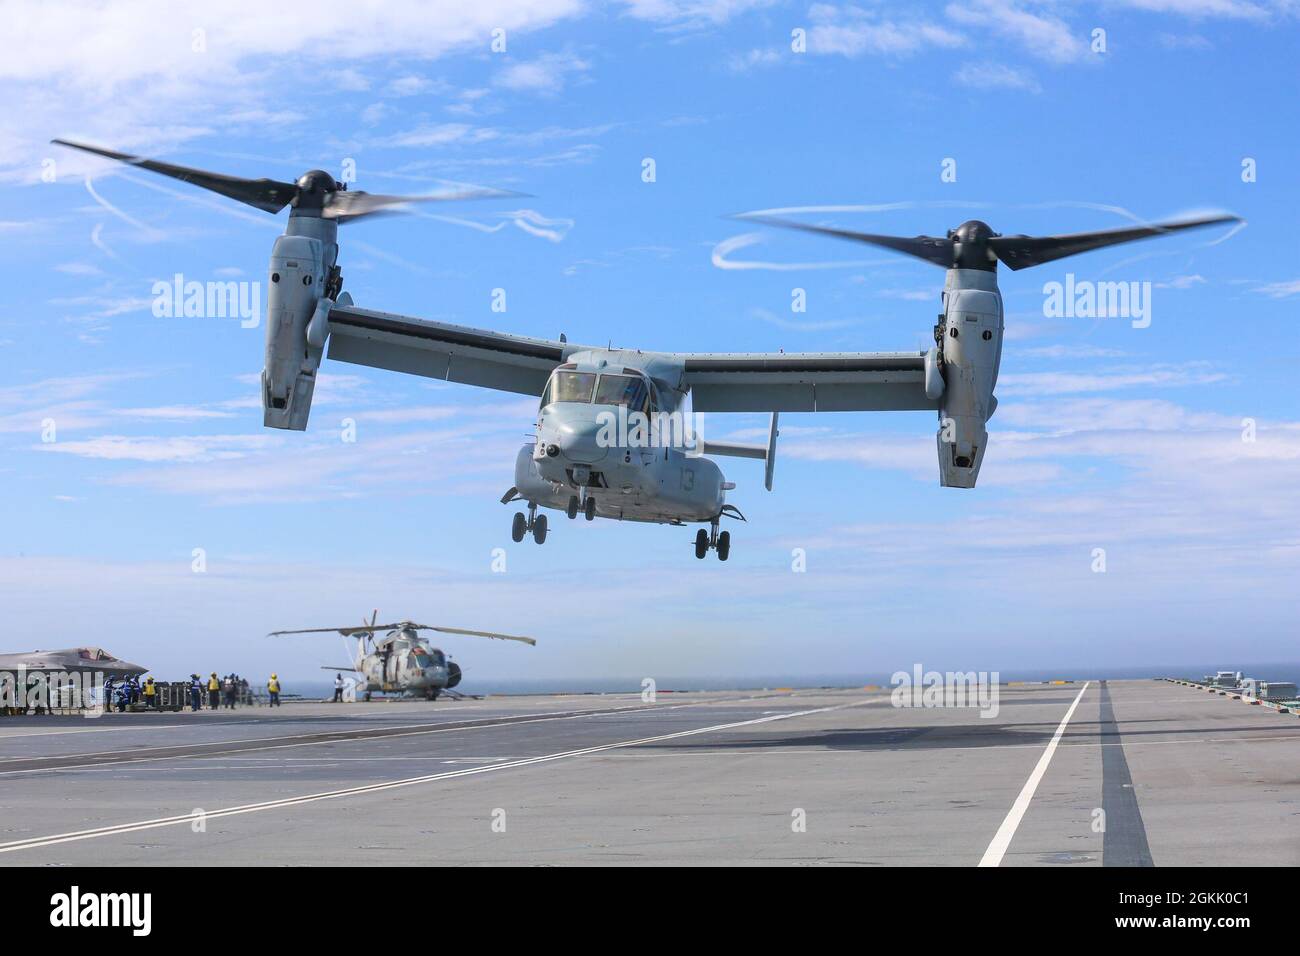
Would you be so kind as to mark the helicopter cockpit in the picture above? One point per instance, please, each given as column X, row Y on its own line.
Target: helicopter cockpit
column 629, row 388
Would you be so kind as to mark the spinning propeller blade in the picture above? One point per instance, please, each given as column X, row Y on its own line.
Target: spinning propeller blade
column 973, row 245
column 313, row 190
column 1021, row 252
column 267, row 194
column 937, row 251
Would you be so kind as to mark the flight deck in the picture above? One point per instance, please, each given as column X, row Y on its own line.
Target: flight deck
column 1136, row 773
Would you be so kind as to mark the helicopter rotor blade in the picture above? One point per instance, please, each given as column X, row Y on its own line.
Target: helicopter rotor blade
column 939, row 252
column 1021, row 252
column 489, row 634
column 347, row 206
column 269, row 195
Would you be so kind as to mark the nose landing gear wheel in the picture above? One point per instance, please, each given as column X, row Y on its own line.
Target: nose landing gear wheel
column 724, row 545
column 589, row 509
column 701, row 543
column 519, row 527
column 539, row 529
column 572, row 509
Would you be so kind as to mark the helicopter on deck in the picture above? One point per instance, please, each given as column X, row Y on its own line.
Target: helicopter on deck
column 402, row 662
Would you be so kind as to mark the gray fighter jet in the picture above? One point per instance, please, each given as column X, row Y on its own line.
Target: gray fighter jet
column 402, row 662
column 615, row 435
column 72, row 660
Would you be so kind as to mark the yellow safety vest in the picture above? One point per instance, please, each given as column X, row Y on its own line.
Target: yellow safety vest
column 213, row 684
column 148, row 690
column 273, row 686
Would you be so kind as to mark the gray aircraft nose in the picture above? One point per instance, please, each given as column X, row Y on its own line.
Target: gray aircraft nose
column 577, row 440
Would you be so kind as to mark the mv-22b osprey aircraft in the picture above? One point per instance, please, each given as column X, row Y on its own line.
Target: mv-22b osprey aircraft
column 402, row 662
column 573, row 465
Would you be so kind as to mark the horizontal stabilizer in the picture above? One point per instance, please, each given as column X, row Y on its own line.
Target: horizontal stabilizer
column 765, row 453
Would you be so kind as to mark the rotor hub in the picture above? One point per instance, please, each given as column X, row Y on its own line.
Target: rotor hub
column 970, row 246
column 314, row 188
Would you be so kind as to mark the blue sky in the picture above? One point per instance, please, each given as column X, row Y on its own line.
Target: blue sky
column 1107, row 436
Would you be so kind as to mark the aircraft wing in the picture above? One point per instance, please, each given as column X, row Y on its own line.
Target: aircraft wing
column 719, row 382
column 806, row 382
column 454, row 353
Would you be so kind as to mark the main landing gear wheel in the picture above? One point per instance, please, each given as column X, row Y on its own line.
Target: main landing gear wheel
column 534, row 524
column 711, row 540
column 589, row 508
column 572, row 509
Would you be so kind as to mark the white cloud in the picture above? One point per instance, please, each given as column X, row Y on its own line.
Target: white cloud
column 122, row 74
column 1107, row 380
column 996, row 76
column 1041, row 35
column 852, row 31
column 527, row 220
column 1206, row 9
column 190, row 448
column 1279, row 290
column 692, row 13
column 752, row 59
column 1182, row 282
column 722, row 251
column 1070, row 352
column 443, row 134
column 547, row 74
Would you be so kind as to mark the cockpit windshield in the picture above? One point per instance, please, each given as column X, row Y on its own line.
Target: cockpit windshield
column 569, row 387
column 429, row 657
column 587, row 387
column 626, row 390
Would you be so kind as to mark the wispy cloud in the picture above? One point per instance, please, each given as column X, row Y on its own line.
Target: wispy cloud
column 1279, row 290
column 1108, row 380
column 546, row 74
column 852, row 31
column 1040, row 34
column 996, row 76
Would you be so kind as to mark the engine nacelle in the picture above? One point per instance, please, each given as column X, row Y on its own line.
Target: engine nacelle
column 972, row 352
column 295, row 298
